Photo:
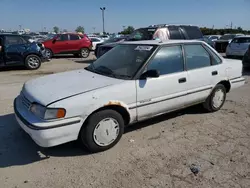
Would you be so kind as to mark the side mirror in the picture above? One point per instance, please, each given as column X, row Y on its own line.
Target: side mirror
column 150, row 74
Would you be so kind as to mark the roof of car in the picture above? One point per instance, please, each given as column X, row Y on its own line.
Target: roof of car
column 157, row 42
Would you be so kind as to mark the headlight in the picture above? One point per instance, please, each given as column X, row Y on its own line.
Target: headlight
column 47, row 113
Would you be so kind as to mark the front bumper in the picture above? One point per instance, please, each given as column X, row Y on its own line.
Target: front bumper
column 47, row 133
column 44, row 58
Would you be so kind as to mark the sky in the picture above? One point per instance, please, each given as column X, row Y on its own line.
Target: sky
column 68, row 14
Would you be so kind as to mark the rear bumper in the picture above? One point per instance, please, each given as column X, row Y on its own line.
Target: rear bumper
column 237, row 82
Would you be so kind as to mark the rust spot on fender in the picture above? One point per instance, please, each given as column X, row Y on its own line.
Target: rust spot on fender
column 114, row 103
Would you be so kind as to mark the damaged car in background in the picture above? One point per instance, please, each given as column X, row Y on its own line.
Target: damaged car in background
column 93, row 105
column 19, row 50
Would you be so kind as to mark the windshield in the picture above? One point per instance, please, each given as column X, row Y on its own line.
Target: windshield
column 122, row 61
column 227, row 37
column 142, row 34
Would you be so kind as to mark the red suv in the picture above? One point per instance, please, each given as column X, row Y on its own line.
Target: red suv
column 68, row 43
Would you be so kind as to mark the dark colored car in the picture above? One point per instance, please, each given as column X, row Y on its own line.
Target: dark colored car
column 208, row 41
column 222, row 43
column 111, row 40
column 160, row 32
column 68, row 43
column 17, row 50
column 246, row 59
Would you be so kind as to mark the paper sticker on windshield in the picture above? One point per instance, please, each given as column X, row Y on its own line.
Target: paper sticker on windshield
column 145, row 48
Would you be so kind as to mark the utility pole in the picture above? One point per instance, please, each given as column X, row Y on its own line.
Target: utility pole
column 231, row 25
column 20, row 27
column 94, row 29
column 103, row 9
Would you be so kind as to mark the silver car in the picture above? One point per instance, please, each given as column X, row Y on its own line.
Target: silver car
column 238, row 46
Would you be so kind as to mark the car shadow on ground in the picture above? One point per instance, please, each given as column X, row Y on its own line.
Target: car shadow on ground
column 14, row 68
column 17, row 148
column 86, row 61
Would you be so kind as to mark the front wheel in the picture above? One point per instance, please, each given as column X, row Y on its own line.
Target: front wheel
column 216, row 99
column 102, row 130
column 32, row 62
column 48, row 53
column 84, row 52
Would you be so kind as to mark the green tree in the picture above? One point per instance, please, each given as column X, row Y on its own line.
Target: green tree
column 239, row 29
column 128, row 30
column 80, row 29
column 65, row 30
column 56, row 29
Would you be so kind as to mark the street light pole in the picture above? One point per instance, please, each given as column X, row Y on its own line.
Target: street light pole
column 103, row 9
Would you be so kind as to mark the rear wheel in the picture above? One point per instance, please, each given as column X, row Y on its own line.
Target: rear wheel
column 216, row 99
column 32, row 62
column 102, row 130
column 84, row 52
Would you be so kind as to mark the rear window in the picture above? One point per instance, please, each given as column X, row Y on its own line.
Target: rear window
column 241, row 40
column 193, row 32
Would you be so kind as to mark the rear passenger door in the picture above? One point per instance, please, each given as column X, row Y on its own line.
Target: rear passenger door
column 203, row 72
column 74, row 43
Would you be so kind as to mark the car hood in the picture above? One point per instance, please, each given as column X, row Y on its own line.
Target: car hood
column 54, row 87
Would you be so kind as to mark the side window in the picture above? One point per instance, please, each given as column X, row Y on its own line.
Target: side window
column 167, row 60
column 196, row 56
column 193, row 32
column 74, row 37
column 63, row 37
column 12, row 40
column 216, row 60
column 175, row 33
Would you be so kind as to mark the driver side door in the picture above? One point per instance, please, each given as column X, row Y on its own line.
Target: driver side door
column 60, row 45
column 167, row 92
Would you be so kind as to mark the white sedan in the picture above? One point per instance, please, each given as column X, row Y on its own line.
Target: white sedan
column 95, row 41
column 132, row 82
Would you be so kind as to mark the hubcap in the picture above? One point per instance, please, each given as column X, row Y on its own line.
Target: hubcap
column 106, row 132
column 218, row 98
column 48, row 53
column 33, row 62
column 85, row 53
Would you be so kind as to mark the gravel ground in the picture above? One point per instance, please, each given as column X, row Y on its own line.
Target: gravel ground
column 153, row 153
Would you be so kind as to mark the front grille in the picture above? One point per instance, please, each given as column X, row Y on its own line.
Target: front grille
column 25, row 101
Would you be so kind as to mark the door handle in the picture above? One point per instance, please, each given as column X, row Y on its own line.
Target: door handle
column 214, row 73
column 182, row 80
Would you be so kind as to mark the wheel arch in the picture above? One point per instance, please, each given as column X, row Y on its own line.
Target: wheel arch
column 116, row 106
column 226, row 84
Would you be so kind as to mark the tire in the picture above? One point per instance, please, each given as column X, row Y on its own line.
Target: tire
column 210, row 103
column 49, row 53
column 91, row 135
column 32, row 62
column 84, row 52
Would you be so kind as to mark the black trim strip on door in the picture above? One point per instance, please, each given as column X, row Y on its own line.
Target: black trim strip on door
column 153, row 102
